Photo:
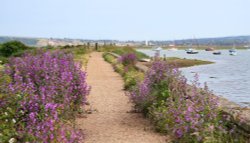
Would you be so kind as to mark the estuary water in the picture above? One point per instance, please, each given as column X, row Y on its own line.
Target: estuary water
column 229, row 76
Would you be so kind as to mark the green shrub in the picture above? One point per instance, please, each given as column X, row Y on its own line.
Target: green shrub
column 131, row 78
column 109, row 58
column 3, row 60
column 119, row 68
column 11, row 48
column 122, row 50
column 188, row 113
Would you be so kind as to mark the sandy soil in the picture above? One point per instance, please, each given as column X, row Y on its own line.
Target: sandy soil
column 111, row 121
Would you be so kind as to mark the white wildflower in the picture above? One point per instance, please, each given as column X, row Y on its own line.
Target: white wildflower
column 14, row 121
column 6, row 113
column 12, row 140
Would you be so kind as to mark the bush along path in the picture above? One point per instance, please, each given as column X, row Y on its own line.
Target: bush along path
column 184, row 112
column 40, row 96
column 110, row 120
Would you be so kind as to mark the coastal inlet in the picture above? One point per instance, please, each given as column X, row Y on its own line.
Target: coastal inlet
column 229, row 76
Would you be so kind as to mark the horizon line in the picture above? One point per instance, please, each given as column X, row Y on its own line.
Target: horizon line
column 95, row 39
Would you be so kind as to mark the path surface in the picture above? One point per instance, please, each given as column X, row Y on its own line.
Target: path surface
column 112, row 122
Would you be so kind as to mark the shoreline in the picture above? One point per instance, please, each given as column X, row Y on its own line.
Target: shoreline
column 231, row 108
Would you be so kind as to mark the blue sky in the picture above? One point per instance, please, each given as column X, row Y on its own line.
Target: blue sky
column 125, row 19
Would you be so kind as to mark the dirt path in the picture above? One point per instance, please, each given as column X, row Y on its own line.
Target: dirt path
column 112, row 122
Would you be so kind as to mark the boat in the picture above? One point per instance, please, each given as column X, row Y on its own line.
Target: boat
column 188, row 50
column 192, row 51
column 157, row 49
column 217, row 53
column 209, row 49
column 232, row 52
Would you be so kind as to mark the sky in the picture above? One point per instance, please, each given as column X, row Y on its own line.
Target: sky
column 124, row 19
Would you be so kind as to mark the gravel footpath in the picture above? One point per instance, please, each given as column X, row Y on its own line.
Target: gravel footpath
column 110, row 120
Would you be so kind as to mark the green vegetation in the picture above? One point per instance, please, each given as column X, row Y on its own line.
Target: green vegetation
column 122, row 50
column 181, row 63
column 186, row 62
column 129, row 73
column 187, row 113
column 1, row 67
column 28, row 114
column 12, row 49
column 80, row 52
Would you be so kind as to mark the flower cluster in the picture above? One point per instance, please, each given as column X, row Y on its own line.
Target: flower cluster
column 46, row 88
column 187, row 112
column 128, row 59
column 154, row 88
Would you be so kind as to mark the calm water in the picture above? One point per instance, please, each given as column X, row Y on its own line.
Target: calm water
column 228, row 77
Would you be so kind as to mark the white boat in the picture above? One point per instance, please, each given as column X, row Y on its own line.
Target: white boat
column 232, row 52
column 191, row 51
column 157, row 49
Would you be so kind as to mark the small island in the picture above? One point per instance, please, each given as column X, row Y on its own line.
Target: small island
column 182, row 62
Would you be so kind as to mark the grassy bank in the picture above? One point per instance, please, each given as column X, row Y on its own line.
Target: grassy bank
column 181, row 63
column 122, row 50
column 81, row 54
column 129, row 73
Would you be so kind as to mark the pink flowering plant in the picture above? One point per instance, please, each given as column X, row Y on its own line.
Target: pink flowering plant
column 44, row 92
column 128, row 59
column 188, row 113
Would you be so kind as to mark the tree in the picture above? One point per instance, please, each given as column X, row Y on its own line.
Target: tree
column 9, row 48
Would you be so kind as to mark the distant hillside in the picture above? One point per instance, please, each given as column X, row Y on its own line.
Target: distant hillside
column 224, row 41
column 40, row 42
column 26, row 41
column 221, row 41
